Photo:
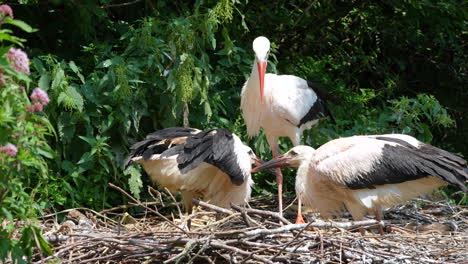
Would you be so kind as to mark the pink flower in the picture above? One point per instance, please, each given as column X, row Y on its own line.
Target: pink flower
column 38, row 107
column 19, row 59
column 6, row 10
column 9, row 149
column 39, row 96
column 30, row 108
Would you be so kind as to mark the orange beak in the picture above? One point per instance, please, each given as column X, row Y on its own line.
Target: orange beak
column 261, row 71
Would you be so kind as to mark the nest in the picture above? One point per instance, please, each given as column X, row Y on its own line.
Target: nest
column 419, row 231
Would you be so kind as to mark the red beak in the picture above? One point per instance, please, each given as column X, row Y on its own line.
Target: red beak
column 279, row 162
column 261, row 71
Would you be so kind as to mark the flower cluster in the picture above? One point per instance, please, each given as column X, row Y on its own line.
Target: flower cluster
column 19, row 59
column 9, row 149
column 39, row 98
column 6, row 10
column 38, row 95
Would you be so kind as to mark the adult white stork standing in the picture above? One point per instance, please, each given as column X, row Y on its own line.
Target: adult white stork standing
column 213, row 163
column 364, row 174
column 283, row 105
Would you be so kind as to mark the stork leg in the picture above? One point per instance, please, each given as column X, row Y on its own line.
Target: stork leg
column 189, row 220
column 188, row 204
column 378, row 218
column 279, row 181
column 299, row 219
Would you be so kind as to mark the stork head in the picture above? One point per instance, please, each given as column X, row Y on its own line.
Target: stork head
column 293, row 158
column 261, row 47
column 255, row 161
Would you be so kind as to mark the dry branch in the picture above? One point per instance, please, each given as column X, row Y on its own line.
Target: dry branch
column 155, row 240
column 212, row 207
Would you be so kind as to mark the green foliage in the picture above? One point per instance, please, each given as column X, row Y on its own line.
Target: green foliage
column 134, row 182
column 23, row 173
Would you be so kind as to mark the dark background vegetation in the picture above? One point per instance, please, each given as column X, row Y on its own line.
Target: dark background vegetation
column 117, row 70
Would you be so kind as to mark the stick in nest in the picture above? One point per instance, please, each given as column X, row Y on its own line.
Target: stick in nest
column 150, row 209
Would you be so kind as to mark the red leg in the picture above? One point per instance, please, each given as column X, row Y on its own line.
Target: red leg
column 299, row 219
column 378, row 218
column 279, row 181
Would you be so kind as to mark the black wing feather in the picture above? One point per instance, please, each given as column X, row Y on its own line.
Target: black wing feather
column 320, row 108
column 322, row 93
column 154, row 143
column 405, row 162
column 215, row 147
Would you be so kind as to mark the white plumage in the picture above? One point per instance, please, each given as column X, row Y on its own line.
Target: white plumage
column 213, row 164
column 365, row 174
column 283, row 105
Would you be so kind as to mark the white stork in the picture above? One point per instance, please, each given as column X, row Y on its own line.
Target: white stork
column 283, row 105
column 213, row 163
column 364, row 174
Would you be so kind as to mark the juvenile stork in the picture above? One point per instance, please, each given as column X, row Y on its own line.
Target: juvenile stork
column 364, row 174
column 283, row 105
column 214, row 164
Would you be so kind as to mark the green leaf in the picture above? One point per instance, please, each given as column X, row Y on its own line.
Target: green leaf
column 44, row 82
column 208, row 111
column 58, row 78
column 4, row 50
column 39, row 66
column 76, row 97
column 7, row 214
column 90, row 141
column 104, row 165
column 62, row 98
column 134, row 182
column 85, row 158
column 42, row 242
column 76, row 71
column 45, row 153
column 20, row 24
column 8, row 37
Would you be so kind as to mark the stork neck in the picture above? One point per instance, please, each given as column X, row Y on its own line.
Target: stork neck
column 301, row 176
column 253, row 83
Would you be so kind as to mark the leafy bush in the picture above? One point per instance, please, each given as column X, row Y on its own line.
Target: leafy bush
column 24, row 149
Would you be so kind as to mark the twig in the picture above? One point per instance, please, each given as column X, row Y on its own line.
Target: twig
column 78, row 209
column 150, row 209
column 212, row 207
column 175, row 201
column 239, row 251
column 184, row 253
column 317, row 223
column 261, row 212
column 151, row 190
column 292, row 240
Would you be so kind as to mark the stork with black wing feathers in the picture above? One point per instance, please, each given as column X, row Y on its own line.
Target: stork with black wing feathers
column 364, row 174
column 214, row 164
column 283, row 105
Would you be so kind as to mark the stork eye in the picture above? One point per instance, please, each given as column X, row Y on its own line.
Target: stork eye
column 293, row 153
column 250, row 152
